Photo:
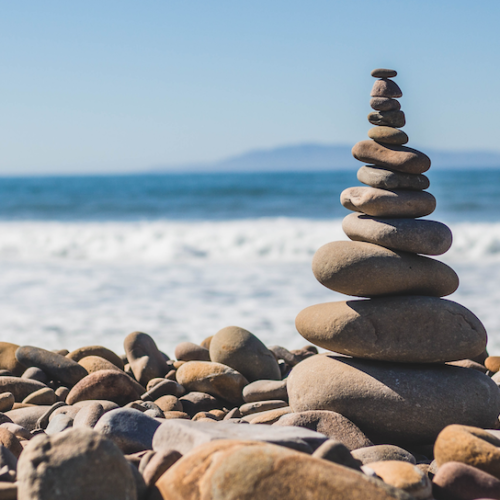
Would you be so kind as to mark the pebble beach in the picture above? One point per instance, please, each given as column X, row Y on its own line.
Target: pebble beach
column 390, row 389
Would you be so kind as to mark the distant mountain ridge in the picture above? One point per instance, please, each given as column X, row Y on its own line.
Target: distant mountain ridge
column 325, row 157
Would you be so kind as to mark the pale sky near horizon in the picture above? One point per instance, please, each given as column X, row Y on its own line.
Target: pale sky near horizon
column 120, row 85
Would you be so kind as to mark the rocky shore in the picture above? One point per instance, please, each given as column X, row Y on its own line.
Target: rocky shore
column 404, row 405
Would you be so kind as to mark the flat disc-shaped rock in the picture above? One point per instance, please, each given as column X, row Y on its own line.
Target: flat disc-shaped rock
column 401, row 158
column 59, row 367
column 384, row 103
column 367, row 270
column 383, row 178
column 422, row 236
column 395, row 403
column 395, row 118
column 401, row 329
column 386, row 88
column 243, row 351
column 388, row 135
column 384, row 73
column 384, row 203
column 8, row 359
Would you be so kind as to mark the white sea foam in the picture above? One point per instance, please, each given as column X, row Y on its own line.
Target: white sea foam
column 70, row 284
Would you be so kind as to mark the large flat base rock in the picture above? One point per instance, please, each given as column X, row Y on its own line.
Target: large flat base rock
column 184, row 435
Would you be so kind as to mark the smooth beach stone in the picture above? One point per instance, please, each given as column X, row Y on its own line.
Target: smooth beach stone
column 8, row 360
column 187, row 351
column 468, row 363
column 77, row 464
column 388, row 135
column 469, row 445
column 194, row 402
column 245, row 470
column 404, row 476
column 158, row 464
column 145, row 359
column 7, row 459
column 164, row 388
column 7, row 401
column 384, row 203
column 401, row 158
column 265, row 390
column 260, row 406
column 185, row 435
column 455, row 480
column 383, row 178
column 70, row 411
column 20, row 388
column 169, row 403
column 58, row 424
column 268, row 417
column 334, row 451
column 383, row 452
column 216, row 379
column 368, row 270
column 62, row 393
column 421, row 236
column 89, row 415
column 129, row 429
column 283, row 353
column 10, row 441
column 95, row 363
column 245, row 353
column 386, row 119
column 45, row 396
column 386, row 88
column 107, row 405
column 414, row 329
column 384, row 73
column 34, row 373
column 331, row 424
column 96, row 350
column 27, row 417
column 395, row 403
column 112, row 385
column 384, row 104
column 58, row 367
column 20, row 432
column 492, row 363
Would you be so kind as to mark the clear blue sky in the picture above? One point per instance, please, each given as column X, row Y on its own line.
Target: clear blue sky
column 119, row 85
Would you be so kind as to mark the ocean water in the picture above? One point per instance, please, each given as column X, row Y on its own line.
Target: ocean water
column 87, row 260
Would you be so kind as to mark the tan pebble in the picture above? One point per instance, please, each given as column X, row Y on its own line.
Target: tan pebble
column 169, row 403
column 7, row 401
column 10, row 441
column 171, row 375
column 176, row 414
column 260, row 406
column 218, row 414
column 95, row 363
column 153, row 382
column 45, row 396
column 267, row 417
column 158, row 464
column 206, row 342
column 492, row 363
column 178, row 364
column 204, row 415
column 187, row 351
column 8, row 359
column 62, row 393
column 96, row 350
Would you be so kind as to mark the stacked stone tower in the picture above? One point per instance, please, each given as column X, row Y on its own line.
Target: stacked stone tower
column 394, row 384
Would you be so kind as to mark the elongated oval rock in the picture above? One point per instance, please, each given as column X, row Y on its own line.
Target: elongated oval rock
column 401, row 329
column 388, row 135
column 19, row 387
column 96, row 350
column 395, row 403
column 59, row 367
column 395, row 118
column 401, row 158
column 384, row 73
column 367, row 270
column 383, row 203
column 383, row 178
column 386, row 88
column 384, row 103
column 423, row 236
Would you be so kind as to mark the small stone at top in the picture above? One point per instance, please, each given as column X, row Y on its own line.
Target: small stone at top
column 384, row 73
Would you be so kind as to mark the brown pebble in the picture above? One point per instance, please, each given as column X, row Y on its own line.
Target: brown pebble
column 7, row 401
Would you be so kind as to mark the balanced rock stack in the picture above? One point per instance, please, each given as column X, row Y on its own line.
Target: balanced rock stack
column 394, row 384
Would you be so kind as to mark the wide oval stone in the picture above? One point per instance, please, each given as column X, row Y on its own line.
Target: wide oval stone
column 384, row 73
column 247, row 470
column 95, row 363
column 401, row 158
column 20, row 387
column 96, row 350
column 78, row 464
column 384, row 103
column 112, row 385
column 386, row 88
column 367, row 270
column 262, row 390
column 395, row 403
column 8, row 359
column 58, row 367
column 383, row 203
column 238, row 348
column 216, row 379
column 422, row 236
column 394, row 118
column 383, row 178
column 400, row 329
column 388, row 135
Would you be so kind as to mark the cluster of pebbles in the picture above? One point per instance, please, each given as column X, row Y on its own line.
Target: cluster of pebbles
column 404, row 405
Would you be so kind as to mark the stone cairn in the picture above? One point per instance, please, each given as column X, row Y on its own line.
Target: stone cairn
column 395, row 384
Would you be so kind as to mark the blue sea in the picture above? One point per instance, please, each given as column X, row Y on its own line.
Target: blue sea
column 87, row 260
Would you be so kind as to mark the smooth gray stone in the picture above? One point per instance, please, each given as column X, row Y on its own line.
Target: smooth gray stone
column 7, row 458
column 334, row 451
column 27, row 417
column 384, row 103
column 59, row 423
column 265, row 390
column 383, row 178
column 384, row 73
column 383, row 453
column 184, row 435
column 421, row 236
column 129, row 429
column 89, row 415
column 58, row 367
column 393, row 402
column 386, row 88
column 413, row 329
column 34, row 373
